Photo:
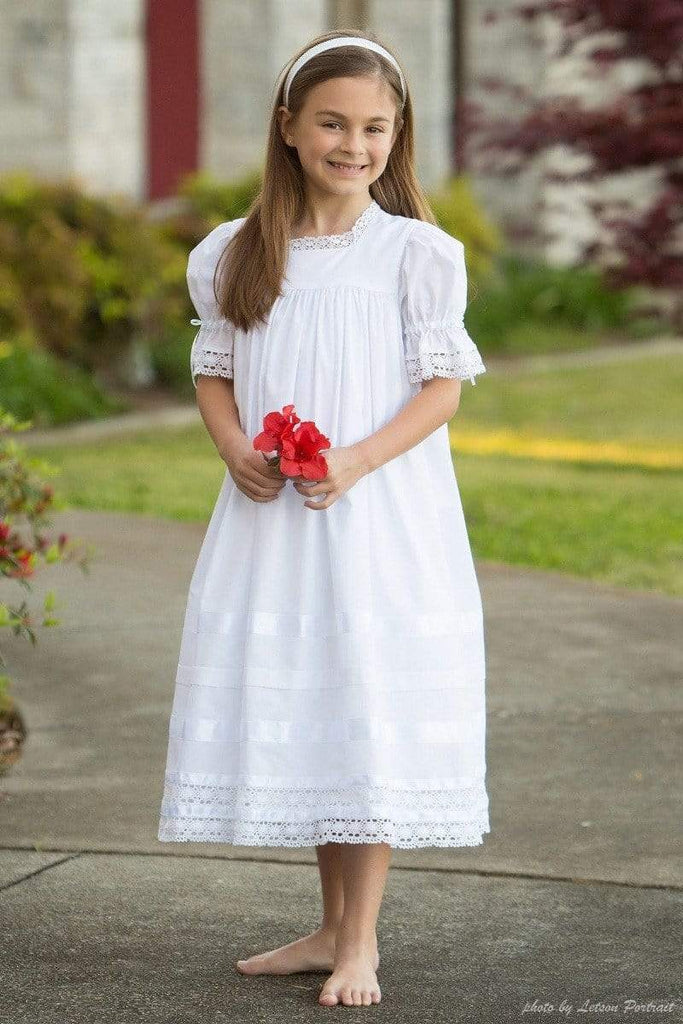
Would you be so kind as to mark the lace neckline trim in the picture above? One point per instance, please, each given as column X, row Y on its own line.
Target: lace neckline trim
column 337, row 241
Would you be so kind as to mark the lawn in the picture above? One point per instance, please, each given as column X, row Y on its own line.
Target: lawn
column 585, row 510
column 637, row 400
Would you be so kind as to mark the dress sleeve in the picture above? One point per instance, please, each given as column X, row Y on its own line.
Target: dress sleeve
column 433, row 283
column 213, row 346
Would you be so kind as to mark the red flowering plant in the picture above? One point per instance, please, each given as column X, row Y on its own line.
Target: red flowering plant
column 297, row 444
column 23, row 494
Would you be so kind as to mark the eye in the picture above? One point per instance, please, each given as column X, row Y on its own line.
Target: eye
column 333, row 124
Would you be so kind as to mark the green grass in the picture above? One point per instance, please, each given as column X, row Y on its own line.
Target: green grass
column 174, row 474
column 638, row 400
column 621, row 526
column 618, row 526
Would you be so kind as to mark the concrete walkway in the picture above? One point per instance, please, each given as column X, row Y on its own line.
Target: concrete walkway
column 574, row 899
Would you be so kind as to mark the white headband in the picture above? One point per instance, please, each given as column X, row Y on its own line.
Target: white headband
column 330, row 44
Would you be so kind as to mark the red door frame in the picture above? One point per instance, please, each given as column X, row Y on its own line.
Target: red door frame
column 173, row 93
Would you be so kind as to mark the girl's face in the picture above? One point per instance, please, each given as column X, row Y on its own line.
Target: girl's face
column 348, row 121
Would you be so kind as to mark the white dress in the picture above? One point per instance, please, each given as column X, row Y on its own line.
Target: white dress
column 331, row 678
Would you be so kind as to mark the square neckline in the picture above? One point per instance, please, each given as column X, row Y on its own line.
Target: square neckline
column 340, row 240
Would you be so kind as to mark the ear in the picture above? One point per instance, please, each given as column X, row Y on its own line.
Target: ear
column 284, row 116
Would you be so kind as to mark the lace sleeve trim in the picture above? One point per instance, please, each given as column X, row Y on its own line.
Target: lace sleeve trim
column 442, row 349
column 208, row 361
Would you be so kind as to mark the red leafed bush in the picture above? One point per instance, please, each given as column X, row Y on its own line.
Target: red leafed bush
column 640, row 126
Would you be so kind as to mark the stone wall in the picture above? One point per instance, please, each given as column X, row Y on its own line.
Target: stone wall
column 72, row 81
column 245, row 47
column 420, row 33
column 515, row 51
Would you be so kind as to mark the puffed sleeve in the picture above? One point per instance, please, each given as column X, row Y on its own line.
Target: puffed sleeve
column 213, row 347
column 433, row 287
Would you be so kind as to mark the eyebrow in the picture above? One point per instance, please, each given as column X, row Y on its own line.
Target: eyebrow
column 335, row 113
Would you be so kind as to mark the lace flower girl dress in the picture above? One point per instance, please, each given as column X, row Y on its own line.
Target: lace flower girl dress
column 331, row 678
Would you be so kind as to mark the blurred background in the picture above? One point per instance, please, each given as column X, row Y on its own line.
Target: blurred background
column 549, row 140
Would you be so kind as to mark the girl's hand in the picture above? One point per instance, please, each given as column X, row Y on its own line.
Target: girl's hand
column 345, row 467
column 251, row 472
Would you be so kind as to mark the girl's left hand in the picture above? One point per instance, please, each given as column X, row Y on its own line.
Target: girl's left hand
column 345, row 467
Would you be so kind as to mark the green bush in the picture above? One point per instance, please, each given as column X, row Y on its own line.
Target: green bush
column 37, row 386
column 171, row 359
column 460, row 214
column 82, row 273
column 530, row 301
column 206, row 203
column 219, row 201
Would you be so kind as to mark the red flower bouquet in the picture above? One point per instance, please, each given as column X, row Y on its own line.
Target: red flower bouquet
column 297, row 447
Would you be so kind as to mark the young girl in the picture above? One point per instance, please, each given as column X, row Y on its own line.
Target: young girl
column 330, row 686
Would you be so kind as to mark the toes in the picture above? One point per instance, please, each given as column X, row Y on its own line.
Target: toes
column 349, row 996
column 251, row 965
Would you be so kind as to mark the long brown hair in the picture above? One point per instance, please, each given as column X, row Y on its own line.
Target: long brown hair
column 251, row 278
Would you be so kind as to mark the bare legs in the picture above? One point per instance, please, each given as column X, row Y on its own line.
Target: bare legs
column 352, row 879
column 353, row 981
column 332, row 885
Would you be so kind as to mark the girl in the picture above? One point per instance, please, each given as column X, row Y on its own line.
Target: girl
column 330, row 686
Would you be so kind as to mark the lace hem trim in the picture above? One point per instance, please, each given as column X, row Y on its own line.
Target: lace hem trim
column 337, row 241
column 442, row 349
column 243, row 814
column 265, row 833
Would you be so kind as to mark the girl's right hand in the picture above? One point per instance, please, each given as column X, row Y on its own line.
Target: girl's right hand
column 251, row 472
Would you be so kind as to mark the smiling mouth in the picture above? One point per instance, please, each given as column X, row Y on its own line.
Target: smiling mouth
column 347, row 167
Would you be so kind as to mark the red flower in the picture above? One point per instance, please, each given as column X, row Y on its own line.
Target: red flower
column 297, row 447
column 300, row 453
column 275, row 426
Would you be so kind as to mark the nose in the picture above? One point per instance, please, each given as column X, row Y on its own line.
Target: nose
column 352, row 143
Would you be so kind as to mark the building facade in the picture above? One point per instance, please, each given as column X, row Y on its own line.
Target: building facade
column 129, row 97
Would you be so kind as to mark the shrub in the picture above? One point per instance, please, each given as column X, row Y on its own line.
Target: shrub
column 461, row 215
column 567, row 300
column 82, row 273
column 24, row 495
column 36, row 385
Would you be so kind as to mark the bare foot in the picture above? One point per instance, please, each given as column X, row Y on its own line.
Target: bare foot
column 314, row 952
column 353, row 981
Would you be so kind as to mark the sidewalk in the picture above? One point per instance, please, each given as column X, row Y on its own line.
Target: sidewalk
column 574, row 895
